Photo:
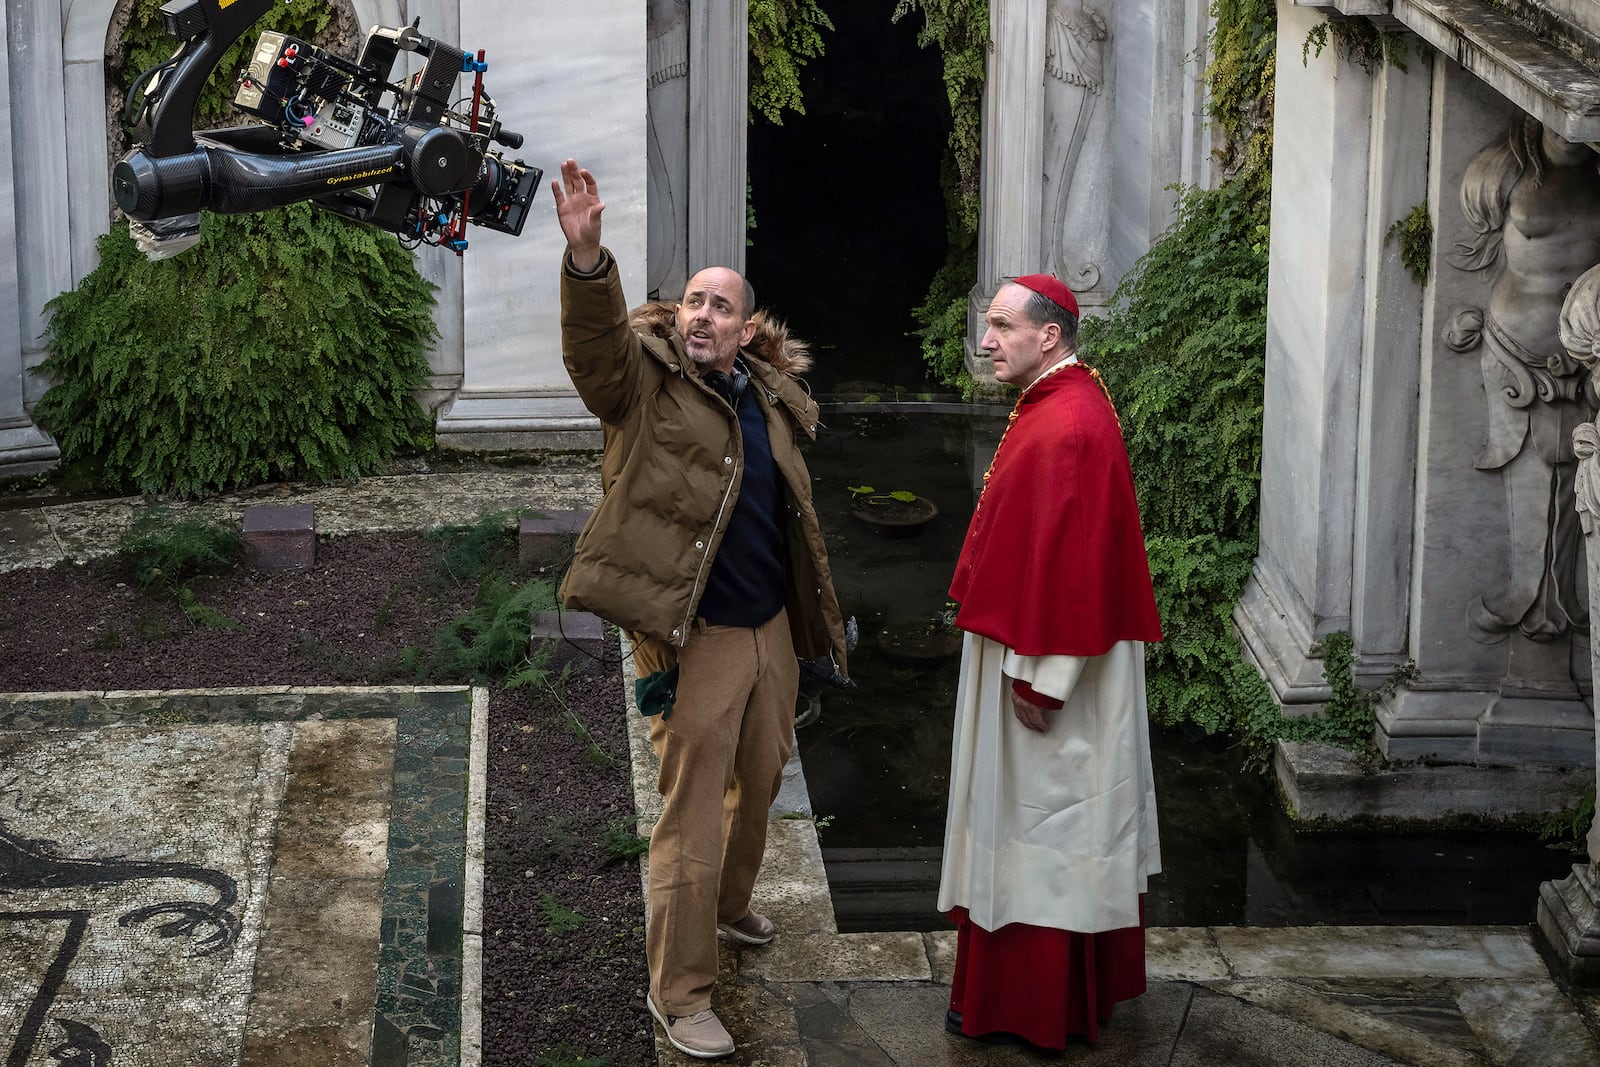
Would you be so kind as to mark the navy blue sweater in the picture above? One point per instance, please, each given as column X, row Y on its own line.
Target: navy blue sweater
column 745, row 587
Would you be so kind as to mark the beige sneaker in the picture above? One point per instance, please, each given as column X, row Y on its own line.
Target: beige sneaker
column 700, row 1035
column 753, row 929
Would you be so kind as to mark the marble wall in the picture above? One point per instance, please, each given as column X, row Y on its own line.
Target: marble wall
column 1417, row 468
column 1093, row 110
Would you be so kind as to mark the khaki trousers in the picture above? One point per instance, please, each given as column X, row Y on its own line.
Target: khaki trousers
column 722, row 754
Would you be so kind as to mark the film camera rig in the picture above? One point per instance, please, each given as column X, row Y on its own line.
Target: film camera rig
column 417, row 166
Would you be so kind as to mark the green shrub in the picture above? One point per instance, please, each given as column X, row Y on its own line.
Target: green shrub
column 287, row 344
column 1183, row 352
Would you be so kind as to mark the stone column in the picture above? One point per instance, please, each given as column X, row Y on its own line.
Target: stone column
column 1081, row 141
column 667, row 66
column 34, row 252
column 1569, row 909
column 1300, row 589
column 1146, row 143
column 1011, row 182
column 719, row 75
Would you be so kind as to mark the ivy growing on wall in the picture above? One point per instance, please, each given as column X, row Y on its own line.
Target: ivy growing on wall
column 784, row 36
column 1183, row 352
column 1414, row 231
column 960, row 30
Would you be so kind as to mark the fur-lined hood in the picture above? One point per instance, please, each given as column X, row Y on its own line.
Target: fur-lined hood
column 773, row 343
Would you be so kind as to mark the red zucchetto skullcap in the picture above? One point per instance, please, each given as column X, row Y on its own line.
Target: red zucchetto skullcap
column 1052, row 289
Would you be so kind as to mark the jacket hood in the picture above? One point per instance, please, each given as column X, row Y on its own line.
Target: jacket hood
column 772, row 344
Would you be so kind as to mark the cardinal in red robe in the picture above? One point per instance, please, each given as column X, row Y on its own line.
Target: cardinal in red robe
column 1051, row 837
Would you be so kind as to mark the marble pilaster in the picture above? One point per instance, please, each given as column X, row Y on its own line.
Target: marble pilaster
column 38, row 146
column 1391, row 334
column 1153, row 67
column 1300, row 589
column 1568, row 914
column 1011, row 181
column 718, row 93
column 1082, row 142
column 24, row 449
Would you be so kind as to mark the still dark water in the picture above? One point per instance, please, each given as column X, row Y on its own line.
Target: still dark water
column 877, row 764
column 849, row 211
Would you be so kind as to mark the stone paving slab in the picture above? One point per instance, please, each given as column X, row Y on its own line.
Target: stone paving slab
column 1527, row 1022
column 1381, row 951
column 26, row 540
column 81, row 530
column 1220, row 1029
column 254, row 877
column 1299, row 997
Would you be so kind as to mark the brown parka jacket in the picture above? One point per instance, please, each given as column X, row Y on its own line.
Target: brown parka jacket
column 672, row 466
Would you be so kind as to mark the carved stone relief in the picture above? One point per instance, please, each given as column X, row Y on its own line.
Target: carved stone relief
column 1075, row 44
column 668, row 152
column 1533, row 201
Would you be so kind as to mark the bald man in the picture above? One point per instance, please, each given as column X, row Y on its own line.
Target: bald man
column 706, row 548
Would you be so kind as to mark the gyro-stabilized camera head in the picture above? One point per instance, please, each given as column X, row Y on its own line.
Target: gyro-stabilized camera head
column 333, row 132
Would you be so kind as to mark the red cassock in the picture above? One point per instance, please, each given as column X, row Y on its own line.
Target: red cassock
column 1058, row 524
column 1053, row 564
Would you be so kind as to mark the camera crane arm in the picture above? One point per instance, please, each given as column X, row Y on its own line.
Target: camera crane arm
column 412, row 168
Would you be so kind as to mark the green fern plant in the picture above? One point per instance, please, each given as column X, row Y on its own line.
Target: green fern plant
column 288, row 344
column 1414, row 231
column 1183, row 353
column 622, row 840
column 784, row 36
column 1241, row 79
column 163, row 555
column 558, row 918
column 1356, row 41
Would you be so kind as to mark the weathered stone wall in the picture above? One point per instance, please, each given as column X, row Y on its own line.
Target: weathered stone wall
column 1417, row 472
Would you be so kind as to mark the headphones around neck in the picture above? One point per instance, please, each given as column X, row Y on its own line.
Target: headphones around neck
column 731, row 387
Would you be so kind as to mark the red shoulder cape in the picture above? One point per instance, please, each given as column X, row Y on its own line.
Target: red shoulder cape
column 1054, row 560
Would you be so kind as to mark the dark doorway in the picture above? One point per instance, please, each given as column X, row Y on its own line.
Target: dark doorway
column 850, row 220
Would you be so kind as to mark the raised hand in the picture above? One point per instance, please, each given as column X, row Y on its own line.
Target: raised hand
column 578, row 208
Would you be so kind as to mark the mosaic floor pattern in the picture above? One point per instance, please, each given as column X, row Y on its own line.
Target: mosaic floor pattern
column 233, row 876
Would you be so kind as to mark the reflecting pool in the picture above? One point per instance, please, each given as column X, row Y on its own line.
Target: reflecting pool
column 877, row 762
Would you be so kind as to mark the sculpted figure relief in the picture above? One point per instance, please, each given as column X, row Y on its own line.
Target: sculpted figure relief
column 1533, row 200
column 1075, row 41
column 1580, row 336
column 667, row 55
